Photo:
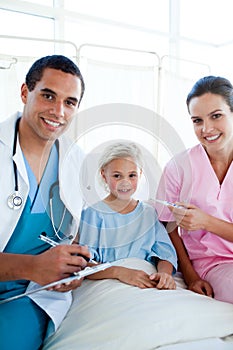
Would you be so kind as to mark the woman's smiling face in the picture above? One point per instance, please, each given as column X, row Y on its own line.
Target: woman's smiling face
column 212, row 121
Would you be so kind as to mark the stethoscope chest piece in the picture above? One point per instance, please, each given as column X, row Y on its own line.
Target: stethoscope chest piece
column 14, row 201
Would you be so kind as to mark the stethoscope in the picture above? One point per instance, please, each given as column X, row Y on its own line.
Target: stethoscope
column 15, row 201
column 56, row 231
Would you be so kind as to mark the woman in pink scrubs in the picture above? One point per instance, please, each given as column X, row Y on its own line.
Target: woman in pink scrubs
column 201, row 181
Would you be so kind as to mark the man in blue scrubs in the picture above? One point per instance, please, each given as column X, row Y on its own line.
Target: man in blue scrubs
column 39, row 194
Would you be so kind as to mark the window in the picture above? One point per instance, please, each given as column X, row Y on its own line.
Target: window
column 147, row 15
column 25, row 25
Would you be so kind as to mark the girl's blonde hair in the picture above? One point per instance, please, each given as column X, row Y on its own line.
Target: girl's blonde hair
column 121, row 150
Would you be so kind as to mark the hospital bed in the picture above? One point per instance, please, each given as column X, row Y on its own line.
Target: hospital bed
column 110, row 315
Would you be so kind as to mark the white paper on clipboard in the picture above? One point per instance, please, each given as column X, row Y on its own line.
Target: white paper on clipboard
column 83, row 273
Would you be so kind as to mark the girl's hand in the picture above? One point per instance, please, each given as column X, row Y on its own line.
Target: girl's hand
column 137, row 278
column 163, row 280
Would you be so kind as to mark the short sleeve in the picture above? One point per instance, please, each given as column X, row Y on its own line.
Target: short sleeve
column 89, row 230
column 168, row 189
column 163, row 247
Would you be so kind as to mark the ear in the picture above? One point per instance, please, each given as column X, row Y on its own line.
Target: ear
column 103, row 174
column 24, row 93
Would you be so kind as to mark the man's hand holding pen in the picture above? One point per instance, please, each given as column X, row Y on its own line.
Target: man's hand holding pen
column 85, row 254
column 53, row 243
column 60, row 262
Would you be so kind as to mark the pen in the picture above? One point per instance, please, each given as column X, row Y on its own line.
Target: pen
column 48, row 240
column 54, row 244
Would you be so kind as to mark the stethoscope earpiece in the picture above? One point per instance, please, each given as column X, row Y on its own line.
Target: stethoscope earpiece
column 14, row 201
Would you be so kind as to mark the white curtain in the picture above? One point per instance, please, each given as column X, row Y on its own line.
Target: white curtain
column 108, row 82
column 12, row 75
column 115, row 80
column 174, row 88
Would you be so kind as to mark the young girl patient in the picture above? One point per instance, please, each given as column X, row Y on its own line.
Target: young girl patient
column 121, row 227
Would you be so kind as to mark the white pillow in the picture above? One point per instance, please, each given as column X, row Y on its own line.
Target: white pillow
column 110, row 315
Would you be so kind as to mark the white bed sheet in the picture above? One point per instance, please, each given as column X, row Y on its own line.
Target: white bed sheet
column 110, row 315
column 204, row 344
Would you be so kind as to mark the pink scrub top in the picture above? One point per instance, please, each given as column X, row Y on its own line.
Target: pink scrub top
column 189, row 177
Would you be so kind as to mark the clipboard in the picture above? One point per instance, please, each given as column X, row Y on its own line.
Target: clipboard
column 77, row 276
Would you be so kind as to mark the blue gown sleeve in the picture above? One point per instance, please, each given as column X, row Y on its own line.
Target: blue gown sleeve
column 162, row 247
column 89, row 231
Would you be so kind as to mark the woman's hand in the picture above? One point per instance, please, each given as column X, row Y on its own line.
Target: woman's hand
column 190, row 217
column 201, row 287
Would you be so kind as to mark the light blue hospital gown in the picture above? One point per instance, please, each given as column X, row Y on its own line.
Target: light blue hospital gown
column 111, row 235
